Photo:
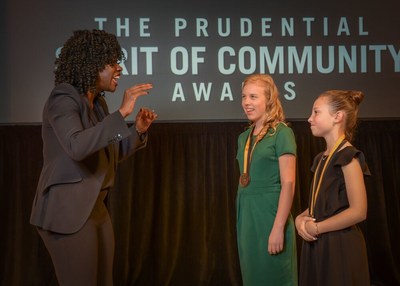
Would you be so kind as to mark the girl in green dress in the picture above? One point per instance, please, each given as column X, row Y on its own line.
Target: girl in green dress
column 267, row 161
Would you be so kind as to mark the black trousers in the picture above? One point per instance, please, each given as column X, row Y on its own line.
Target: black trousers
column 84, row 258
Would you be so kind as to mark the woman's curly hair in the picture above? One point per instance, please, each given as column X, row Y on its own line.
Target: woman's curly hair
column 83, row 56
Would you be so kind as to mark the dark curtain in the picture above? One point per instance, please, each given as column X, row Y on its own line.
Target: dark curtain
column 173, row 204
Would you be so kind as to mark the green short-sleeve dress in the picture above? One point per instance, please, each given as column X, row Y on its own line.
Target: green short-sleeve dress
column 256, row 207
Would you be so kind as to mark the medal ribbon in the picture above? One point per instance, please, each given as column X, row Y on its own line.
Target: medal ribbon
column 247, row 156
column 315, row 189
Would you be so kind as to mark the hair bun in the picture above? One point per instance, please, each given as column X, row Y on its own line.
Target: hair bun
column 357, row 96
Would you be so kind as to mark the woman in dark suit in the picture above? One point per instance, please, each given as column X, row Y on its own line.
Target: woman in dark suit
column 82, row 144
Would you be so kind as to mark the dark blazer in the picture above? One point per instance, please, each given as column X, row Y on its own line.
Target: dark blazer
column 81, row 149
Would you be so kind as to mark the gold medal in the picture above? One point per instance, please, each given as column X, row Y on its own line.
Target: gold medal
column 244, row 180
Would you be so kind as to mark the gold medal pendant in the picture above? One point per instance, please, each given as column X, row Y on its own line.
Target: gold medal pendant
column 244, row 180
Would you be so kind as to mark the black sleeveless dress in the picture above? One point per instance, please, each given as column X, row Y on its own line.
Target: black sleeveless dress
column 338, row 257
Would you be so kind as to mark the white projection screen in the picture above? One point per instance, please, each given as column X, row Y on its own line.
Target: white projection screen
column 197, row 53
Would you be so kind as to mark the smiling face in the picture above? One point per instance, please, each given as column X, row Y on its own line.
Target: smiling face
column 108, row 78
column 321, row 119
column 254, row 102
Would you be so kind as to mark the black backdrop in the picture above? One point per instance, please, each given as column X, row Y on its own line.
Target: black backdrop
column 173, row 206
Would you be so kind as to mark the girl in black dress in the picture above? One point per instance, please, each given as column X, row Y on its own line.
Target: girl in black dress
column 334, row 251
